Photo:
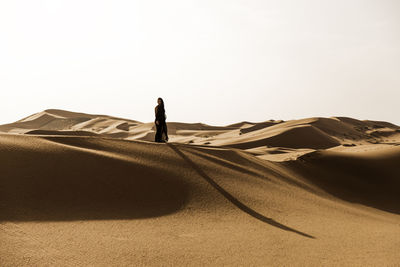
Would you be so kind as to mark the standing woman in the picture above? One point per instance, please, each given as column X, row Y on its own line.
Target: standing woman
column 161, row 125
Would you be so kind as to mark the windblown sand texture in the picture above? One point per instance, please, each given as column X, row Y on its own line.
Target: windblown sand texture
column 94, row 190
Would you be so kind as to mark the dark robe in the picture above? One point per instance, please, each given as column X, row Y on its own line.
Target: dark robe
column 161, row 128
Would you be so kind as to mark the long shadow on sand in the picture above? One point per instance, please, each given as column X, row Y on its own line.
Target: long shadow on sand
column 232, row 199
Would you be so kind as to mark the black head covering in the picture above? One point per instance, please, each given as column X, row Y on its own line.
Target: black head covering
column 161, row 106
column 160, row 111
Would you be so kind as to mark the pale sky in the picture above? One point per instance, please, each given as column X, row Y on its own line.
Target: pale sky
column 216, row 62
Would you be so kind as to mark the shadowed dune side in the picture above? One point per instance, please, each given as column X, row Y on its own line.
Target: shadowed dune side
column 44, row 181
column 68, row 133
column 371, row 178
column 302, row 136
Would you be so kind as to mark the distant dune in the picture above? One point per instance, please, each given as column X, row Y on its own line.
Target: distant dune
column 82, row 189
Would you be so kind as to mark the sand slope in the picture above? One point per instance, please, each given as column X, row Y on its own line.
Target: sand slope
column 74, row 191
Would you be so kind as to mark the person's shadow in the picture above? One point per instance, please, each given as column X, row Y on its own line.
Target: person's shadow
column 234, row 200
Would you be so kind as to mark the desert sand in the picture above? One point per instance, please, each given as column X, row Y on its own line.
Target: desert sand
column 94, row 190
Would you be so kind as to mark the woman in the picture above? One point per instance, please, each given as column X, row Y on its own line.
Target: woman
column 161, row 125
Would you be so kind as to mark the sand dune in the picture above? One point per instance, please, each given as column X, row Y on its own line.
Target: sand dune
column 82, row 189
column 370, row 177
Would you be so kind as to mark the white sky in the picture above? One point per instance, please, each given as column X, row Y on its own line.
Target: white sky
column 216, row 62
